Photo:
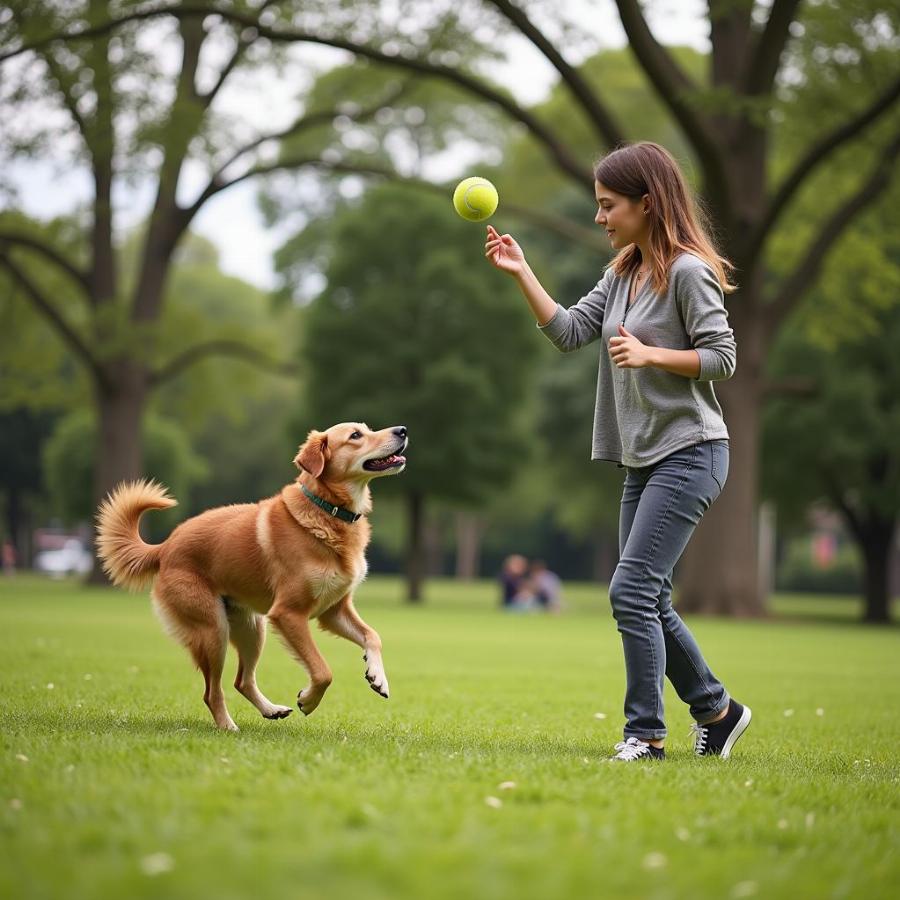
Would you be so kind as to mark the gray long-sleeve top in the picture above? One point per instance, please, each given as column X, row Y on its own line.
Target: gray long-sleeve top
column 643, row 415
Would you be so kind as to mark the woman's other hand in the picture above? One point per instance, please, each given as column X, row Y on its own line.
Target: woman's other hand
column 627, row 352
column 503, row 252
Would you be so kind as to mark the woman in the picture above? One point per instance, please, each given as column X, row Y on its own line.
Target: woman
column 660, row 315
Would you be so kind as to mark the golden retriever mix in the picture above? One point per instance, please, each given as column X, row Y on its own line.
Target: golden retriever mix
column 293, row 557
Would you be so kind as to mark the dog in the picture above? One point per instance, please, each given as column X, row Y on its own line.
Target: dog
column 293, row 557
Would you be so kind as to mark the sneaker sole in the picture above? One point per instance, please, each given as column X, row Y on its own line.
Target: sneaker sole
column 736, row 732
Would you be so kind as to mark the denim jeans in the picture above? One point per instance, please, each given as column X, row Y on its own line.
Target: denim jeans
column 661, row 506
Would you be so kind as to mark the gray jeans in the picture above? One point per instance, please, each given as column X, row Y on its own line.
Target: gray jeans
column 661, row 506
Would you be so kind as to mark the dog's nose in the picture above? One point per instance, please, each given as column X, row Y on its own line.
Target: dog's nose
column 400, row 431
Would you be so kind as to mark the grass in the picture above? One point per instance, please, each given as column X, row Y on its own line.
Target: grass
column 114, row 783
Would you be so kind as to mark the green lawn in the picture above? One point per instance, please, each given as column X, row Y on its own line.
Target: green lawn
column 114, row 783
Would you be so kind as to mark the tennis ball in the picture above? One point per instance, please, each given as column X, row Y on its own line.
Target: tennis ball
column 475, row 199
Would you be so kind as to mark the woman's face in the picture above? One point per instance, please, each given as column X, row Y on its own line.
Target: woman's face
column 624, row 219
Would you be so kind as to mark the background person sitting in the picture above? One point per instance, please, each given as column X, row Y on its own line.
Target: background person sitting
column 546, row 585
column 516, row 588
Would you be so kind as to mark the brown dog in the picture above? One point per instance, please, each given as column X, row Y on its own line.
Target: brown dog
column 290, row 558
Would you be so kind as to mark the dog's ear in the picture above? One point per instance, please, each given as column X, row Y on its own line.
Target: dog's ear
column 313, row 454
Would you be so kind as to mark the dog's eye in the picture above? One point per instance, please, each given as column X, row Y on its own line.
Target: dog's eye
column 356, row 436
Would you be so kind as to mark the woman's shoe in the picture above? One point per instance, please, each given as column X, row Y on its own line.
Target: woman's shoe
column 718, row 738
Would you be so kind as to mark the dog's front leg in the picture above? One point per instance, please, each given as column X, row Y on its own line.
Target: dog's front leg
column 343, row 619
column 293, row 626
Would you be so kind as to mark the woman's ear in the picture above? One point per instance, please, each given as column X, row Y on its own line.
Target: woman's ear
column 312, row 455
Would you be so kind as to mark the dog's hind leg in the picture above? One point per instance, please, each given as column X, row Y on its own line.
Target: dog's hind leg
column 343, row 620
column 194, row 615
column 248, row 634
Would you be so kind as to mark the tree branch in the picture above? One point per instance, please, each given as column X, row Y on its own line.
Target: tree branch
column 673, row 86
column 589, row 237
column 302, row 124
column 566, row 162
column 64, row 82
column 766, row 54
column 604, row 121
column 805, row 274
column 239, row 51
column 53, row 316
column 24, row 240
column 167, row 221
column 223, row 347
column 814, row 157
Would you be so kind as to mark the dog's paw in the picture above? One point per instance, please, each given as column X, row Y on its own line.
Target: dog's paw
column 378, row 681
column 308, row 700
column 278, row 712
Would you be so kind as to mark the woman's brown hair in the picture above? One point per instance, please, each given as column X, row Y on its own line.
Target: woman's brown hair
column 678, row 221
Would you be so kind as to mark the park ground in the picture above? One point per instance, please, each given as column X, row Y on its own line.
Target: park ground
column 482, row 777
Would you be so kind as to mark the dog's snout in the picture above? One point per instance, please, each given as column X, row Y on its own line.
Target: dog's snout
column 400, row 431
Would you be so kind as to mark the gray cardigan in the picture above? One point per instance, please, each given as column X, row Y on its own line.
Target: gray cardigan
column 643, row 415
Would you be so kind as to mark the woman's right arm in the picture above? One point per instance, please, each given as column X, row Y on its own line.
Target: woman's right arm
column 505, row 254
column 566, row 329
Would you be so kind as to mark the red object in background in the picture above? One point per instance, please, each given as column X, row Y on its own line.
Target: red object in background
column 824, row 549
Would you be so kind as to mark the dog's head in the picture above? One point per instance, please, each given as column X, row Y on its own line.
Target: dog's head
column 351, row 451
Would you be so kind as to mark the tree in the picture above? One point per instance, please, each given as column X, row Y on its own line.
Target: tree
column 840, row 354
column 408, row 332
column 69, row 458
column 763, row 61
column 128, row 117
column 22, row 432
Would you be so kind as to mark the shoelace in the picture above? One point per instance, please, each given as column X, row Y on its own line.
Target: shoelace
column 631, row 749
column 701, row 734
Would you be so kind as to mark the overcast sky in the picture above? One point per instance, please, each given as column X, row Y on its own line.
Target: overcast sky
column 231, row 219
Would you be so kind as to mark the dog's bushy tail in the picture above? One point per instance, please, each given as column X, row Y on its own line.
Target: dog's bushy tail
column 127, row 560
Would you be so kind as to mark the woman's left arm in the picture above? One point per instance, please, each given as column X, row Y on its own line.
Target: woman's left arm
column 702, row 308
column 702, row 305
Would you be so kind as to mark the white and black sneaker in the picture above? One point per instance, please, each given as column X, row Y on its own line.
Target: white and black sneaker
column 718, row 738
column 634, row 749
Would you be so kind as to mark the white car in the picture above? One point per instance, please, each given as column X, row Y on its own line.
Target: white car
column 71, row 559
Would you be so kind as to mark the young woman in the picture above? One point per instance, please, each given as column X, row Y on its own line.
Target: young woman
column 660, row 315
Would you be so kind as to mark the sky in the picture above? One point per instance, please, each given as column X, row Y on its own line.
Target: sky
column 232, row 221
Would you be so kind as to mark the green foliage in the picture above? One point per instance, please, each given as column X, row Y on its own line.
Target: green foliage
column 38, row 371
column 249, row 457
column 203, row 304
column 841, row 58
column 797, row 573
column 834, row 443
column 413, row 329
column 69, row 462
column 22, row 432
column 526, row 178
column 842, row 342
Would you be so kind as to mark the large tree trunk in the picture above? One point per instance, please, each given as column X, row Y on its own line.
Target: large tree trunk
column 876, row 552
column 121, row 408
column 415, row 547
column 719, row 572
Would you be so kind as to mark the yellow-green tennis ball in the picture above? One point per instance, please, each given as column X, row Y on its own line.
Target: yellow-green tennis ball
column 475, row 199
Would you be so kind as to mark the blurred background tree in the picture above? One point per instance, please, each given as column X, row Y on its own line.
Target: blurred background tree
column 409, row 332
column 412, row 100
column 834, row 438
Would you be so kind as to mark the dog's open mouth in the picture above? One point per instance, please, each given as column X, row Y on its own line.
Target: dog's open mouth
column 385, row 462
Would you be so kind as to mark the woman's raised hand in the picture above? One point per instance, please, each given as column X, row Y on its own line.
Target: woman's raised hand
column 503, row 252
